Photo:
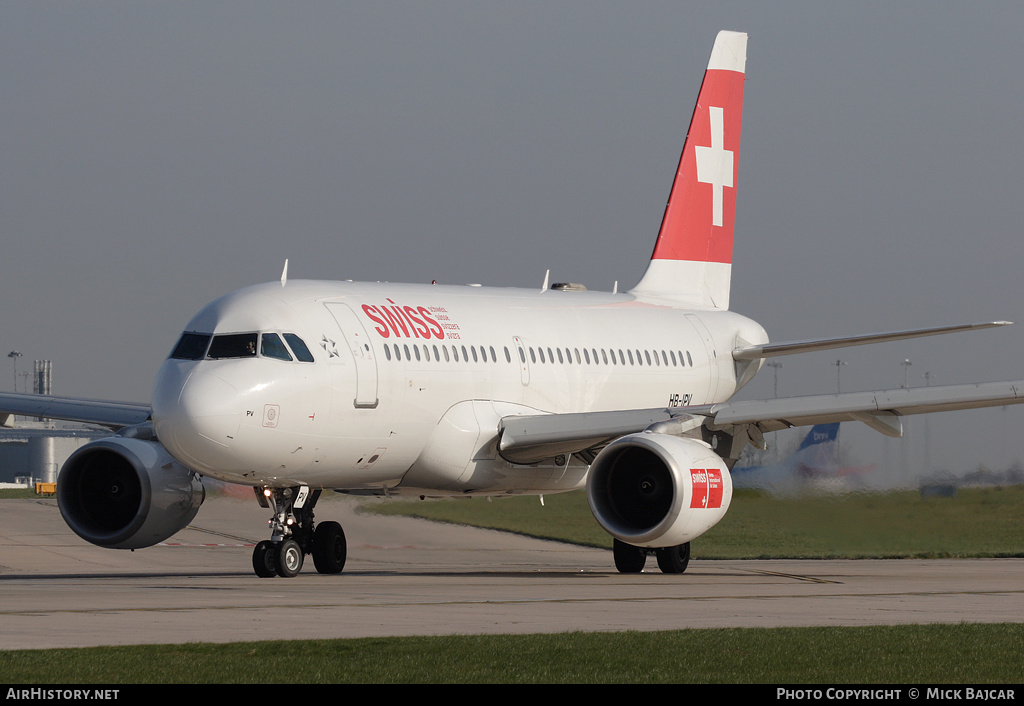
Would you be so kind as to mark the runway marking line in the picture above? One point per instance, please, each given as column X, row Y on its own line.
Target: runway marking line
column 320, row 606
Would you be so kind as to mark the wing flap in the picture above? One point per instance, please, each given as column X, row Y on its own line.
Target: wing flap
column 771, row 415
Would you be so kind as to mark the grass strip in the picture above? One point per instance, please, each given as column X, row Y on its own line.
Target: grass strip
column 976, row 522
column 921, row 654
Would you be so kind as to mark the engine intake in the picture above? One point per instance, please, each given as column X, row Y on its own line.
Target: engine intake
column 126, row 493
column 655, row 490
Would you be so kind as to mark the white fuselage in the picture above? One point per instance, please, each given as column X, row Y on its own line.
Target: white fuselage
column 407, row 382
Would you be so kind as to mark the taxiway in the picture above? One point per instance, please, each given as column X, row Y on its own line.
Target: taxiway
column 410, row 577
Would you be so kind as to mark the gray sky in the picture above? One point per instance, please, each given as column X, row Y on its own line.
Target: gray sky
column 154, row 156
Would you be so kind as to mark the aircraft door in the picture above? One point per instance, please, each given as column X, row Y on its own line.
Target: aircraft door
column 524, row 366
column 712, row 356
column 358, row 343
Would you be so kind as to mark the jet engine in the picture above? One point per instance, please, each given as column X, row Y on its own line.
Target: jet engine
column 127, row 493
column 654, row 490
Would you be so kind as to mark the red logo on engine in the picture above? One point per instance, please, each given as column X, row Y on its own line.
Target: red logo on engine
column 708, row 488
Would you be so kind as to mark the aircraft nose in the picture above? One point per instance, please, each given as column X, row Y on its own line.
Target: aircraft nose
column 196, row 415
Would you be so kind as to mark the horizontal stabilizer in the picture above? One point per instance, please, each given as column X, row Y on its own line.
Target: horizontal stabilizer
column 769, row 350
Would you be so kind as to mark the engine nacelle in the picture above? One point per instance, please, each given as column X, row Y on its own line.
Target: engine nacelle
column 655, row 490
column 127, row 493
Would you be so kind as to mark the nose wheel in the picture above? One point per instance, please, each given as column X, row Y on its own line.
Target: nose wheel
column 294, row 535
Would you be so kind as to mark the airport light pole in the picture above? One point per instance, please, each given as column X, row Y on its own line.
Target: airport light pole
column 14, row 355
column 906, row 367
column 775, row 365
column 839, row 366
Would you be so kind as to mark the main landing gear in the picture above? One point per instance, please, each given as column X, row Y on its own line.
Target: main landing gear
column 293, row 535
column 630, row 559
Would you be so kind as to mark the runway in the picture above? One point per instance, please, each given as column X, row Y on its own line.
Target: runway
column 410, row 577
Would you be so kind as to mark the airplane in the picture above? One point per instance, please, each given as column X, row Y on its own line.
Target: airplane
column 815, row 459
column 294, row 387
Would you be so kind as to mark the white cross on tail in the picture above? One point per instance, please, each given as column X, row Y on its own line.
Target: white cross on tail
column 714, row 163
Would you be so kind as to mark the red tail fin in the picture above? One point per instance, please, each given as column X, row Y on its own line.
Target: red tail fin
column 692, row 260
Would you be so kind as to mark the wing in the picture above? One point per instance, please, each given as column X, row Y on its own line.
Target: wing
column 114, row 415
column 530, row 439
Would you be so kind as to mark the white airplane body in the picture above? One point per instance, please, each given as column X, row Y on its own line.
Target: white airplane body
column 449, row 362
column 294, row 387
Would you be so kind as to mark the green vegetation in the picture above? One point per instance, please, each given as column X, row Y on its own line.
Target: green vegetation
column 976, row 522
column 18, row 493
column 931, row 654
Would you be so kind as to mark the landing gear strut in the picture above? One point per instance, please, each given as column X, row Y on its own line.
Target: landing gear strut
column 630, row 559
column 294, row 535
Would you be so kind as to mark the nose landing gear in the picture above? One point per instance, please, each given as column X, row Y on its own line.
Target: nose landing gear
column 293, row 535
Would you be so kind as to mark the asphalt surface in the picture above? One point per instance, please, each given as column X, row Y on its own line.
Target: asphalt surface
column 410, row 577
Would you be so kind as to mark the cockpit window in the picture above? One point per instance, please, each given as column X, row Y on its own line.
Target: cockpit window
column 271, row 346
column 299, row 348
column 191, row 346
column 233, row 345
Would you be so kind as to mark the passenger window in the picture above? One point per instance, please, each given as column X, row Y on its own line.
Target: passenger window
column 233, row 345
column 271, row 346
column 299, row 348
column 191, row 346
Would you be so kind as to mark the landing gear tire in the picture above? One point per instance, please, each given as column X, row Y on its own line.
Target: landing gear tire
column 673, row 560
column 329, row 548
column 264, row 559
column 628, row 559
column 289, row 559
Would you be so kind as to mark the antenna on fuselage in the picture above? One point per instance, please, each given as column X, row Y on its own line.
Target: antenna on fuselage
column 547, row 278
column 284, row 273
